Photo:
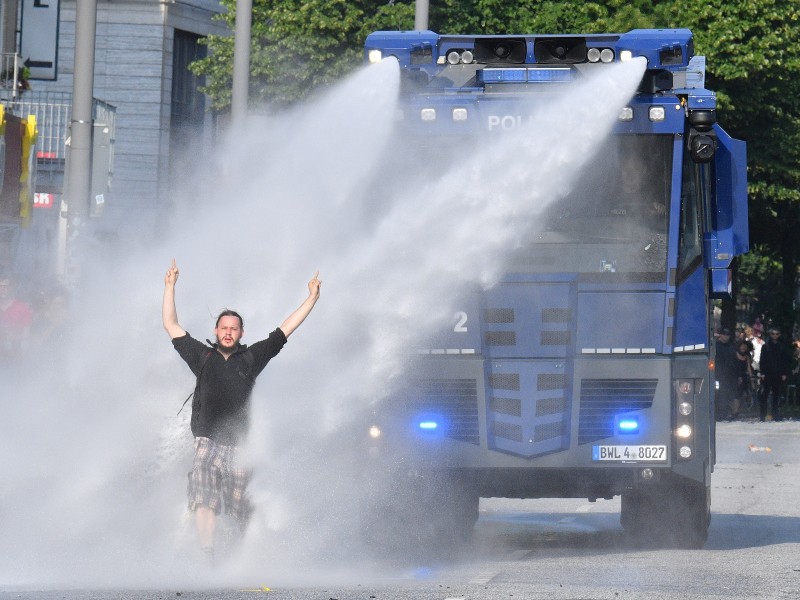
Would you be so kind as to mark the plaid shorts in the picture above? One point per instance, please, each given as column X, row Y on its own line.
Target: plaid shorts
column 215, row 482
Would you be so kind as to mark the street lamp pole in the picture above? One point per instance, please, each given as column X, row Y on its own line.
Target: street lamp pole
column 79, row 173
column 241, row 60
column 421, row 15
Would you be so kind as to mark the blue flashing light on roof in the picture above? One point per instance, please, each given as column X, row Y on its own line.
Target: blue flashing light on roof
column 503, row 75
column 549, row 75
column 523, row 75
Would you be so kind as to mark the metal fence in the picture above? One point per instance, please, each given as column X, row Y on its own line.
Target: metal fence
column 52, row 111
column 9, row 76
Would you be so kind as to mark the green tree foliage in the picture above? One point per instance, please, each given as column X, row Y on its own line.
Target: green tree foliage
column 297, row 46
column 760, row 287
column 545, row 16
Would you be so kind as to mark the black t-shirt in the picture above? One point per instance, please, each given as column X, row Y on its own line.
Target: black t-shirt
column 775, row 359
column 223, row 392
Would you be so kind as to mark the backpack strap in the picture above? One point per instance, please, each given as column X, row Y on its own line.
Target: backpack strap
column 189, row 397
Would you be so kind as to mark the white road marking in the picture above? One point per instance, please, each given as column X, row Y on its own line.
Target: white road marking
column 484, row 578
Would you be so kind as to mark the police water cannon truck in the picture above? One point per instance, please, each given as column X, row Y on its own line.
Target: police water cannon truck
column 587, row 371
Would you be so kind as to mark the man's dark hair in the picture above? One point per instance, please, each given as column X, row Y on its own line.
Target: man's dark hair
column 230, row 313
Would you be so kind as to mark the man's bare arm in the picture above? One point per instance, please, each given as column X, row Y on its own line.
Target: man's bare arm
column 169, row 314
column 294, row 320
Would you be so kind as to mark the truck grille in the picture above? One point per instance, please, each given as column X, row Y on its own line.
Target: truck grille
column 456, row 402
column 528, row 408
column 603, row 399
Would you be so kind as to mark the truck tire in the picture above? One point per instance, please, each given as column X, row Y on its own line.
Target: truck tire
column 428, row 514
column 672, row 515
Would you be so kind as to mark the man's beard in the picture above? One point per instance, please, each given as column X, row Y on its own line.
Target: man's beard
column 221, row 345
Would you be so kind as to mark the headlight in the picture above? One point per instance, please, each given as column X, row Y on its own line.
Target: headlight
column 375, row 56
column 657, row 113
column 374, row 432
column 685, row 398
column 427, row 114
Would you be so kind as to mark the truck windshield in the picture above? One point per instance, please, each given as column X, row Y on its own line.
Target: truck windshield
column 614, row 219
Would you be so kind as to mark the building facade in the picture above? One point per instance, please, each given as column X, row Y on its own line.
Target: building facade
column 142, row 52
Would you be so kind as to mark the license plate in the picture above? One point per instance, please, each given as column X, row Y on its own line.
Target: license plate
column 630, row 453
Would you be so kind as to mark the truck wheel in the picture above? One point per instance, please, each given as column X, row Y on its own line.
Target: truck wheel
column 691, row 527
column 385, row 514
column 431, row 514
column 445, row 513
column 457, row 516
column 635, row 516
column 667, row 516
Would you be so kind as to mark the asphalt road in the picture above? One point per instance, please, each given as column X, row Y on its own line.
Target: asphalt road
column 573, row 549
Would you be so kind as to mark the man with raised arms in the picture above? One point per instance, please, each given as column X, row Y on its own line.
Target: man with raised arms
column 226, row 372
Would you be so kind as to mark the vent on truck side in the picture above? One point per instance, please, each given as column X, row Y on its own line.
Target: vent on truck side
column 603, row 399
column 456, row 402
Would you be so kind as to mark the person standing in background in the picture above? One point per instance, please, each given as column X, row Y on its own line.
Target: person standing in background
column 775, row 364
column 15, row 322
column 757, row 341
column 743, row 375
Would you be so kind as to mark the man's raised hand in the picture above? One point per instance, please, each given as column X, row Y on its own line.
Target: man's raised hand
column 314, row 285
column 172, row 274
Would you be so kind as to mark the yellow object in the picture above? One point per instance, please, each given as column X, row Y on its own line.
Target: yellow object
column 26, row 189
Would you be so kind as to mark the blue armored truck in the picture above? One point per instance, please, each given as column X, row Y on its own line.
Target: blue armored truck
column 587, row 371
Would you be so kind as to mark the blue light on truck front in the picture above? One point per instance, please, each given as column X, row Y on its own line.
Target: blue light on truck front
column 428, row 425
column 628, row 425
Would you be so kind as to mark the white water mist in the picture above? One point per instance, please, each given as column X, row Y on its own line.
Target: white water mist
column 95, row 492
